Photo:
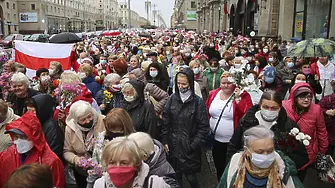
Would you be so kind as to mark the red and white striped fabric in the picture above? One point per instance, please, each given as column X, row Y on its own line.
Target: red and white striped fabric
column 35, row 55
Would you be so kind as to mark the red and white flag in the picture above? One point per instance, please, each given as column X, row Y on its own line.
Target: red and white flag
column 35, row 55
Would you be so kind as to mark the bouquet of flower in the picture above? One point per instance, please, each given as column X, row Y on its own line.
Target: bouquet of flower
column 290, row 142
column 107, row 97
column 239, row 77
column 92, row 167
column 66, row 93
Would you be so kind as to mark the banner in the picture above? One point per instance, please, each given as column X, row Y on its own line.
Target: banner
column 191, row 15
column 299, row 22
column 28, row 17
column 35, row 55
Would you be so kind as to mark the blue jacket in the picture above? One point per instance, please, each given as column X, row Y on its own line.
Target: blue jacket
column 92, row 85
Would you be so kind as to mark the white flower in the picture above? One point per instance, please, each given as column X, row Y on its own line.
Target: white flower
column 307, row 137
column 232, row 71
column 231, row 79
column 297, row 137
column 305, row 142
column 301, row 135
column 295, row 130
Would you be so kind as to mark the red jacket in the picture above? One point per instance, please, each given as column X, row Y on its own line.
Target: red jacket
column 41, row 153
column 239, row 109
column 315, row 69
column 311, row 123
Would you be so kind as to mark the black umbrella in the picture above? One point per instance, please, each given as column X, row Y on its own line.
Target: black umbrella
column 65, row 38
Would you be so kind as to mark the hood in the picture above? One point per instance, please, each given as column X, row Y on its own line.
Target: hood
column 296, row 86
column 159, row 158
column 190, row 75
column 9, row 117
column 43, row 104
column 139, row 87
column 88, row 80
column 31, row 126
column 140, row 75
column 158, row 67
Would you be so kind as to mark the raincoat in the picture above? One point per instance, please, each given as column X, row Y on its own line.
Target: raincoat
column 310, row 122
column 40, row 153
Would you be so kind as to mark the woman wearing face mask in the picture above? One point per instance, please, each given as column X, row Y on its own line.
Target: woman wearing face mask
column 125, row 169
column 213, row 74
column 287, row 73
column 312, row 79
column 155, row 157
column 141, row 111
column 55, row 70
column 265, row 52
column 87, row 77
column 309, row 117
column 259, row 165
column 102, row 66
column 44, row 84
column 298, row 78
column 83, row 126
column 269, row 114
column 260, row 64
column 185, row 127
column 200, row 78
column 29, row 146
column 154, row 75
column 117, row 124
column 226, row 105
column 113, row 86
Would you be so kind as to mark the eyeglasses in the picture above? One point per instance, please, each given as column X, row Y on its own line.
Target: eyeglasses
column 307, row 97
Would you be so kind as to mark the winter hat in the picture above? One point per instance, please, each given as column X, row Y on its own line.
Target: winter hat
column 144, row 141
column 120, row 64
column 269, row 74
column 40, row 71
column 303, row 89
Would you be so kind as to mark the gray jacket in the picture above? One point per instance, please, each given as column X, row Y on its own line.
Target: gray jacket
column 156, row 96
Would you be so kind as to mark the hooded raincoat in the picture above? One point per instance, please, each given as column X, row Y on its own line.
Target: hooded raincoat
column 5, row 140
column 41, row 153
column 53, row 134
column 142, row 112
column 310, row 122
column 185, row 127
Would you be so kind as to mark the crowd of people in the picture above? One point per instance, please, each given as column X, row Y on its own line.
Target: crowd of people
column 137, row 112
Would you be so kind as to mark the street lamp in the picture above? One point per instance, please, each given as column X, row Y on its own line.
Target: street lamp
column 219, row 18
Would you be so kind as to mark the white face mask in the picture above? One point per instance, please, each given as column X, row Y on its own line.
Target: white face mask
column 263, row 161
column 300, row 81
column 153, row 73
column 82, row 75
column 265, row 50
column 196, row 70
column 51, row 71
column 23, row 146
column 129, row 98
column 167, row 52
column 45, row 79
column 269, row 115
column 149, row 59
column 237, row 66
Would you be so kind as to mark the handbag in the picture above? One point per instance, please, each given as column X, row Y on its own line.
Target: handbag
column 210, row 140
column 325, row 167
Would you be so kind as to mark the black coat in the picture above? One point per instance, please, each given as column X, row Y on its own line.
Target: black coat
column 141, row 112
column 185, row 127
column 19, row 105
column 54, row 136
column 116, row 102
column 283, row 126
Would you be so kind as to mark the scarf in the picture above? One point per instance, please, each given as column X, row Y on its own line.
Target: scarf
column 271, row 173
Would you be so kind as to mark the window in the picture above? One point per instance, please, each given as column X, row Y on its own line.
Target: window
column 14, row 6
column 8, row 16
column 15, row 28
column 7, row 4
column 33, row 7
column 58, row 10
column 14, row 16
column 121, row 6
column 51, row 9
column 55, row 9
column 193, row 5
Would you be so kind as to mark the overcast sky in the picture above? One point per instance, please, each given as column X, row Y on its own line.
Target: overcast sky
column 165, row 6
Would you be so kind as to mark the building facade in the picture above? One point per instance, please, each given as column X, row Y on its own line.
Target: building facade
column 108, row 14
column 286, row 18
column 136, row 19
column 9, row 22
column 185, row 14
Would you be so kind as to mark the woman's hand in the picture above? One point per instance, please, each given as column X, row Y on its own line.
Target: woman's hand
column 330, row 112
column 166, row 147
column 102, row 107
column 61, row 115
column 237, row 92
